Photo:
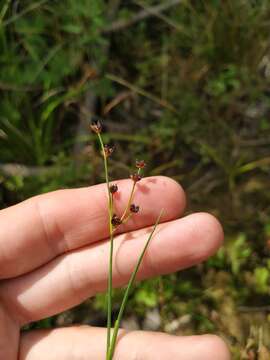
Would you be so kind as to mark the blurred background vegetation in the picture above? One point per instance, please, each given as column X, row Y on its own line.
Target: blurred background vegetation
column 184, row 84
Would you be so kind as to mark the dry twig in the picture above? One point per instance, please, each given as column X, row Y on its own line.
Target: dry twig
column 141, row 15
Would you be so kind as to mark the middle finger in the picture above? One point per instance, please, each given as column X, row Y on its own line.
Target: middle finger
column 71, row 278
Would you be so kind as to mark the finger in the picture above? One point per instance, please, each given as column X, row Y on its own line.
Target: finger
column 89, row 343
column 37, row 230
column 71, row 278
column 9, row 336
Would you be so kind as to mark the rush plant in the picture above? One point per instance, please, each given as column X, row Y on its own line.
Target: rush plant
column 114, row 221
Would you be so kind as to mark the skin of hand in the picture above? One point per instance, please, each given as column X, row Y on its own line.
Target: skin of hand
column 54, row 253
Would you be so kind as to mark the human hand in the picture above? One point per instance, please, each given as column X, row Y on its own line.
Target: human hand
column 54, row 254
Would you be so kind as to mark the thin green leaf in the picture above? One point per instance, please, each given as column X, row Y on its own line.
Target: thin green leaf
column 129, row 286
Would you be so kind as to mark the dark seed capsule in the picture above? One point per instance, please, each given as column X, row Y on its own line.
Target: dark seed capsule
column 134, row 208
column 135, row 177
column 113, row 188
column 96, row 127
column 140, row 164
column 116, row 220
column 108, row 150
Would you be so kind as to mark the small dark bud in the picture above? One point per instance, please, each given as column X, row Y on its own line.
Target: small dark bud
column 96, row 127
column 108, row 150
column 116, row 220
column 135, row 177
column 134, row 208
column 113, row 188
column 140, row 164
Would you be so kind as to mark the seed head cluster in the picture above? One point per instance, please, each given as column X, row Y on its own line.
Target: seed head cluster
column 116, row 221
column 140, row 164
column 97, row 128
column 113, row 188
column 135, row 177
column 134, row 208
column 108, row 150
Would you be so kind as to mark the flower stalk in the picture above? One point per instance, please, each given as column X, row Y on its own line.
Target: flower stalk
column 114, row 222
column 110, row 210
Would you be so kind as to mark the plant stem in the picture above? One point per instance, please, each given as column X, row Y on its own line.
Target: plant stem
column 129, row 286
column 110, row 208
column 130, row 199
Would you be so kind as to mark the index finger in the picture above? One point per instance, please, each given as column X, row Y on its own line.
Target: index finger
column 39, row 229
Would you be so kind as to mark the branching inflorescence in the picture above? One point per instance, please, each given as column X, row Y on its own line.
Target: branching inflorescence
column 115, row 221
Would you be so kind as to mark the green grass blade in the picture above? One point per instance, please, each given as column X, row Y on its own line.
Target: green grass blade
column 25, row 11
column 129, row 286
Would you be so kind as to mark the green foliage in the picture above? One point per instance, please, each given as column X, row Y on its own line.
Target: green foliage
column 262, row 277
column 41, row 71
column 238, row 253
column 146, row 297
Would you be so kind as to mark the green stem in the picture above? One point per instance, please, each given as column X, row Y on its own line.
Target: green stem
column 130, row 199
column 129, row 286
column 110, row 209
